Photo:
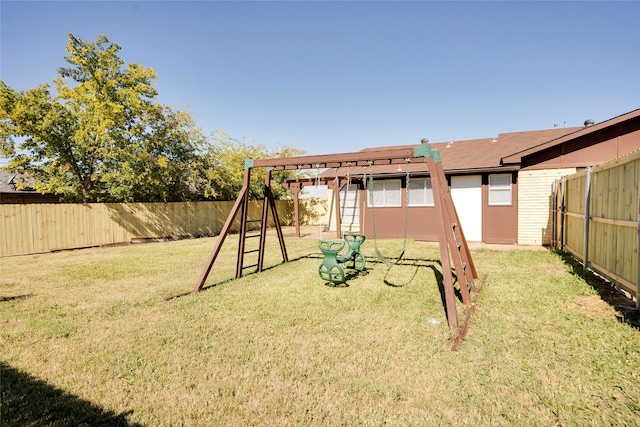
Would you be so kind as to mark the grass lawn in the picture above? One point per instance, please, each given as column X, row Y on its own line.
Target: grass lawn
column 87, row 338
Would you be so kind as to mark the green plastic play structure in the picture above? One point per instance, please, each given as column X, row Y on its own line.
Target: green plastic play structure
column 331, row 269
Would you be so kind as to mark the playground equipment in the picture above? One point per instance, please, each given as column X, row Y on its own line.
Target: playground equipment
column 453, row 245
column 331, row 269
column 373, row 217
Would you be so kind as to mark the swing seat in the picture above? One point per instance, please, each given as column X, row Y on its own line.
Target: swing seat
column 354, row 240
column 330, row 270
column 383, row 260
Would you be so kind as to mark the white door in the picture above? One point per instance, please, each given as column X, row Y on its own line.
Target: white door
column 466, row 192
column 349, row 211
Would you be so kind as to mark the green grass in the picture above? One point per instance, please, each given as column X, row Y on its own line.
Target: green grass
column 87, row 338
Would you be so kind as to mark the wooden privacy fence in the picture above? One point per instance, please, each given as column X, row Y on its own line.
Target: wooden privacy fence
column 35, row 228
column 597, row 219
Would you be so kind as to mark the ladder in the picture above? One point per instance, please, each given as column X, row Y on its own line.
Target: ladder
column 242, row 205
column 452, row 242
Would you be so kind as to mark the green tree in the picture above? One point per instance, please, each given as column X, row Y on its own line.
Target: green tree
column 225, row 167
column 102, row 136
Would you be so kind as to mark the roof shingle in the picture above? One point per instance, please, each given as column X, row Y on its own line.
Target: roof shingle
column 473, row 154
column 8, row 181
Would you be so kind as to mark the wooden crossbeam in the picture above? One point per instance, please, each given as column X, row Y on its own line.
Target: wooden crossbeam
column 324, row 161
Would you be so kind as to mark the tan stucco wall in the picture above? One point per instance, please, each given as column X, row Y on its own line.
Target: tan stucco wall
column 534, row 204
column 329, row 218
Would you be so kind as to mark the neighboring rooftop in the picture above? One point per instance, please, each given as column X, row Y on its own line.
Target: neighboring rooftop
column 10, row 180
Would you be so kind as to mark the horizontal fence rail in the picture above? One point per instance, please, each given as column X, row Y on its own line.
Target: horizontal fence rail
column 36, row 228
column 597, row 219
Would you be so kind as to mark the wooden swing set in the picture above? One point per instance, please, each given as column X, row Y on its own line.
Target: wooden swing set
column 453, row 245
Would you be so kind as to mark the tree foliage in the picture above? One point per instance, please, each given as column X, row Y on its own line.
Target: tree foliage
column 102, row 136
column 225, row 167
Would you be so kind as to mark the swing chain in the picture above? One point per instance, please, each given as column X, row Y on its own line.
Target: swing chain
column 346, row 194
column 406, row 204
column 406, row 214
column 373, row 210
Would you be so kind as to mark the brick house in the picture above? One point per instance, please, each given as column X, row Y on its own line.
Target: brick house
column 501, row 186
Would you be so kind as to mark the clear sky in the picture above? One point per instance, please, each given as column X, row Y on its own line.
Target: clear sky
column 336, row 76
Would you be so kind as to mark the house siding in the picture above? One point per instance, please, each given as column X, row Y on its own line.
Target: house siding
column 500, row 222
column 534, row 204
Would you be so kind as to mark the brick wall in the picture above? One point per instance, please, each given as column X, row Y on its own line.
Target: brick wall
column 534, row 204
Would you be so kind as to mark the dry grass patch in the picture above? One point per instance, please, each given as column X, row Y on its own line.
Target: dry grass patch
column 593, row 305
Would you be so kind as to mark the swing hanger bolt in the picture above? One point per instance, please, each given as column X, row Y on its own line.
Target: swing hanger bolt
column 407, row 160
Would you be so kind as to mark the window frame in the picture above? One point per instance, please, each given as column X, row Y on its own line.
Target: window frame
column 427, row 190
column 500, row 188
column 385, row 199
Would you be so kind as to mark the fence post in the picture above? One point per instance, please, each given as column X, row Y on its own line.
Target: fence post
column 563, row 186
column 554, row 214
column 638, row 251
column 587, row 216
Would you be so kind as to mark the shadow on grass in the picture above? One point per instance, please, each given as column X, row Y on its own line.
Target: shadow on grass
column 433, row 264
column 16, row 297
column 624, row 306
column 29, row 401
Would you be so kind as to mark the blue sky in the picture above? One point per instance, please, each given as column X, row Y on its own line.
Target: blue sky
column 337, row 76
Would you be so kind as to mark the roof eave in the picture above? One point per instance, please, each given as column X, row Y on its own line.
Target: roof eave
column 517, row 157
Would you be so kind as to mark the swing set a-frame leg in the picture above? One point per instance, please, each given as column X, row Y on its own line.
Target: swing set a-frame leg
column 453, row 244
column 242, row 196
column 447, row 275
column 269, row 203
column 453, row 235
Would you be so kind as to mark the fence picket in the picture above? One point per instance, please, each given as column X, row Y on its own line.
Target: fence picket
column 36, row 228
column 607, row 236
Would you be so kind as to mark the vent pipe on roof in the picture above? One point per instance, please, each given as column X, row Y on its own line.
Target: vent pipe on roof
column 555, row 126
column 589, row 122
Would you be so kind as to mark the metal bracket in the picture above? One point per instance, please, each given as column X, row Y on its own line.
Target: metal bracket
column 422, row 150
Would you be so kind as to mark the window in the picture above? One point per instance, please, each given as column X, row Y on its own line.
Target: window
column 420, row 192
column 500, row 189
column 386, row 193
